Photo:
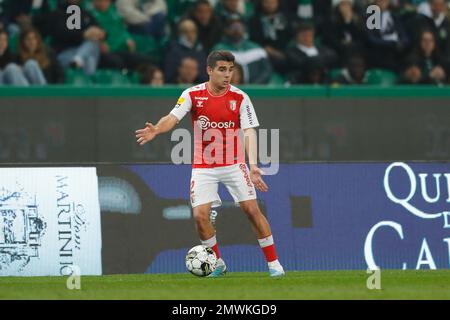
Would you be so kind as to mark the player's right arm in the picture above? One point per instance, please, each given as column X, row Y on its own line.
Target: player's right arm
column 150, row 131
column 167, row 122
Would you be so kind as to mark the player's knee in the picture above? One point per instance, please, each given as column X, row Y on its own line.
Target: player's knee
column 201, row 216
column 250, row 209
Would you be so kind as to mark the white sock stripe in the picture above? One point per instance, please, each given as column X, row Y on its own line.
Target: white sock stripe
column 265, row 242
column 274, row 264
column 210, row 242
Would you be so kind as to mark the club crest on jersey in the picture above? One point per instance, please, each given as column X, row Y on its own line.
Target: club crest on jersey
column 233, row 105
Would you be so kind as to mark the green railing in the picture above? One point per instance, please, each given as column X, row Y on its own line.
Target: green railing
column 254, row 91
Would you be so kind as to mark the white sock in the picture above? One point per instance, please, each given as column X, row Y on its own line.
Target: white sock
column 265, row 242
column 211, row 242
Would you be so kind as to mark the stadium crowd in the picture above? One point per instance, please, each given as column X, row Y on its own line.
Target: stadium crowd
column 156, row 42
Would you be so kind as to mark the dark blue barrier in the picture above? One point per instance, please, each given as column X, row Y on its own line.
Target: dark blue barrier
column 323, row 216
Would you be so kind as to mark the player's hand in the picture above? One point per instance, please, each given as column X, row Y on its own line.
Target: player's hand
column 147, row 134
column 255, row 176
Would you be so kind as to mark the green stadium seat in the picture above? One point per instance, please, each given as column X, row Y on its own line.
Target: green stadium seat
column 13, row 42
column 334, row 73
column 134, row 78
column 53, row 4
column 149, row 46
column 76, row 77
column 111, row 77
column 381, row 77
column 277, row 79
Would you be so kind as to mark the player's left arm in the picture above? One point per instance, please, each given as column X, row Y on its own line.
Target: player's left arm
column 249, row 122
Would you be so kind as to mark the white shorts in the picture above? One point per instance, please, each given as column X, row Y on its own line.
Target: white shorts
column 205, row 184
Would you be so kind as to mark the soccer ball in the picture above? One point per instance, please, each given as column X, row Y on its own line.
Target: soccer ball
column 201, row 261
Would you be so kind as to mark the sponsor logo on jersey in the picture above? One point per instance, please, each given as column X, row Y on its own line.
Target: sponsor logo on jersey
column 204, row 123
column 200, row 101
column 249, row 115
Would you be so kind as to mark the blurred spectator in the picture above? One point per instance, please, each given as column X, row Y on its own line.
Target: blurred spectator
column 118, row 48
column 433, row 16
column 355, row 71
column 386, row 45
column 306, row 57
column 425, row 61
column 411, row 75
column 233, row 10
column 309, row 11
column 186, row 45
column 345, row 31
column 10, row 71
column 17, row 15
column 251, row 56
column 209, row 26
column 32, row 48
column 314, row 72
column 144, row 16
column 271, row 29
column 177, row 9
column 4, row 16
column 238, row 75
column 151, row 75
column 187, row 73
column 78, row 48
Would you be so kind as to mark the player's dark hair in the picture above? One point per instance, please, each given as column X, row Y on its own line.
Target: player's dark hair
column 215, row 56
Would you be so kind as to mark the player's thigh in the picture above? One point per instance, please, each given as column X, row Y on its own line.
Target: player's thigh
column 236, row 179
column 204, row 188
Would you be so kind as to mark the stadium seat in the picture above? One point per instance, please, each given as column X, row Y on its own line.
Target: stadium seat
column 76, row 77
column 149, row 46
column 111, row 77
column 13, row 42
column 134, row 78
column 277, row 79
column 53, row 4
column 334, row 73
column 381, row 77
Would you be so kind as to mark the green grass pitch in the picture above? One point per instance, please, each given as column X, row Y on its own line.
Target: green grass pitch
column 395, row 284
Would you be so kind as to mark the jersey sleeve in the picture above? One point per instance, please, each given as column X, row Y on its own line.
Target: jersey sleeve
column 183, row 105
column 247, row 114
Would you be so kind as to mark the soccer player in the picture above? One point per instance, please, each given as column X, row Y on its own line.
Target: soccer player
column 219, row 110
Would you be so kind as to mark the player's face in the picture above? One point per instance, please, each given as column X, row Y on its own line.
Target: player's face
column 221, row 75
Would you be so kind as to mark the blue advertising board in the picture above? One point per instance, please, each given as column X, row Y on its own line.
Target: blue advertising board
column 331, row 216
